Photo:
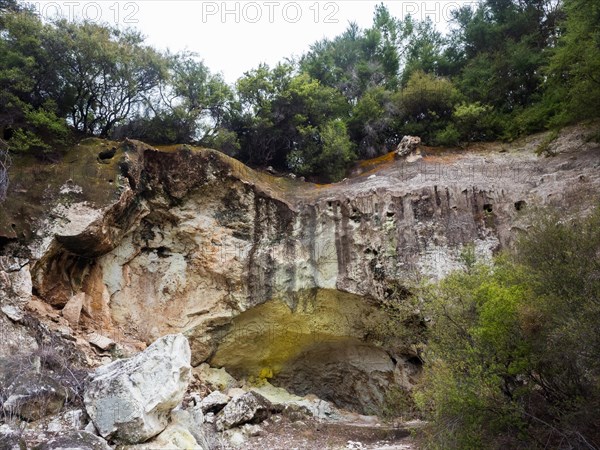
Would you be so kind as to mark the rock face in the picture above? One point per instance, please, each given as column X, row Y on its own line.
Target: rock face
column 264, row 274
column 130, row 400
column 33, row 396
column 356, row 376
column 250, row 407
column 15, row 293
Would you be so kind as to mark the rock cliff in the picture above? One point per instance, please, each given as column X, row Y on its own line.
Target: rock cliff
column 268, row 277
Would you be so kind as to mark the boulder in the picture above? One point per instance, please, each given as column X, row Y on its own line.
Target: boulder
column 248, row 408
column 33, row 396
column 408, row 145
column 191, row 419
column 214, row 402
column 295, row 405
column 130, row 400
column 75, row 440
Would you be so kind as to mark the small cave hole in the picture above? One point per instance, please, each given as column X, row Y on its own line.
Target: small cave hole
column 415, row 360
column 488, row 208
column 107, row 154
column 391, row 214
column 521, row 204
column 111, row 181
column 163, row 252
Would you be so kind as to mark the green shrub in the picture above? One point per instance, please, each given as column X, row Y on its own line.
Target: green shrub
column 449, row 136
column 513, row 358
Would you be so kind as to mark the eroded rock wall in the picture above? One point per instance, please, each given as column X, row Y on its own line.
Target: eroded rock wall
column 192, row 241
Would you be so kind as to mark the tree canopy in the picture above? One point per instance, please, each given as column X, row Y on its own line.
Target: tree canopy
column 505, row 68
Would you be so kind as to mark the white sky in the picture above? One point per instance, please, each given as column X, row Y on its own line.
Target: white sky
column 235, row 36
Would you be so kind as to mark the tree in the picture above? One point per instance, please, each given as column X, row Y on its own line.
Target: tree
column 29, row 115
column 189, row 105
column 503, row 44
column 5, row 163
column 574, row 67
column 105, row 72
column 372, row 124
column 426, row 103
column 326, row 151
column 358, row 60
column 424, row 50
column 282, row 113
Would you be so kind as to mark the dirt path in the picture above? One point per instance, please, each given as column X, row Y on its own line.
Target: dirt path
column 309, row 434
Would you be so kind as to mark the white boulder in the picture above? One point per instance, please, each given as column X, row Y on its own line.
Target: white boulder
column 130, row 400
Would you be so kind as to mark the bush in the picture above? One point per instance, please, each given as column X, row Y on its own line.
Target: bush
column 426, row 105
column 514, row 350
column 449, row 136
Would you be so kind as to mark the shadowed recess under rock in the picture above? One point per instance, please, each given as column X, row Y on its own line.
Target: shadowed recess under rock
column 321, row 347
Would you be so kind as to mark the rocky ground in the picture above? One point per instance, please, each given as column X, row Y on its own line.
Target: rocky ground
column 155, row 400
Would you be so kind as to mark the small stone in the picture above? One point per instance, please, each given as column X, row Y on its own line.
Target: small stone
column 214, row 402
column 235, row 392
column 13, row 313
column 250, row 407
column 252, row 430
column 236, row 438
column 102, row 342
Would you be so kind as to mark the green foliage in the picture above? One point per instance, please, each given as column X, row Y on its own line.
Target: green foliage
column 372, row 122
column 575, row 62
column 359, row 60
column 398, row 403
column 426, row 104
column 505, row 69
column 106, row 73
column 292, row 121
column 224, row 140
column 337, row 151
column 512, row 358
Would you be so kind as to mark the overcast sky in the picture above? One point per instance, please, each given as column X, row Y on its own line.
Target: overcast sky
column 235, row 36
